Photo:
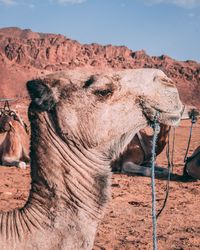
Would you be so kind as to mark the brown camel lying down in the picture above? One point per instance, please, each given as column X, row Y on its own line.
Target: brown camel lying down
column 136, row 159
column 192, row 165
column 14, row 141
column 80, row 123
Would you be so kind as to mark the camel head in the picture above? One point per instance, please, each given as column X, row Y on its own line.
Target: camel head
column 103, row 110
column 160, row 98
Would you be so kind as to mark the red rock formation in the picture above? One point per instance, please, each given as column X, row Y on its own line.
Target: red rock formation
column 25, row 54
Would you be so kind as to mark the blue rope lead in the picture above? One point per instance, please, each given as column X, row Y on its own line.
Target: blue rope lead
column 156, row 129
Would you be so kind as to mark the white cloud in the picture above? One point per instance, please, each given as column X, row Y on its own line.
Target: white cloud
column 70, row 1
column 180, row 3
column 8, row 2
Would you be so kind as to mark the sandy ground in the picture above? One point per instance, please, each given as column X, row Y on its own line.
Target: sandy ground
column 127, row 222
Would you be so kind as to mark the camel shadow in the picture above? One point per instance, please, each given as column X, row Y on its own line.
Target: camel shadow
column 160, row 176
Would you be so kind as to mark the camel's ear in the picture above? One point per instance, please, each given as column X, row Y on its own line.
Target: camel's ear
column 41, row 95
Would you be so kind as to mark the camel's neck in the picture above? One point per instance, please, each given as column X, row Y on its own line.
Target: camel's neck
column 65, row 176
column 164, row 130
column 69, row 190
column 3, row 136
column 162, row 138
column 163, row 134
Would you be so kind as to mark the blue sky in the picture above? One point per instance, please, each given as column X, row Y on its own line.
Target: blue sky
column 159, row 27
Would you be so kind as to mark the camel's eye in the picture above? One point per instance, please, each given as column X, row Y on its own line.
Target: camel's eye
column 103, row 92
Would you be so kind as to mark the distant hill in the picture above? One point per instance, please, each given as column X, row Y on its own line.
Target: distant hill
column 25, row 54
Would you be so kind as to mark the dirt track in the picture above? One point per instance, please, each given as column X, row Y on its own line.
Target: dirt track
column 127, row 222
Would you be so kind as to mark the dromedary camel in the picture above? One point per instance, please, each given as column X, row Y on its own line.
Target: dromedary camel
column 136, row 158
column 80, row 122
column 14, row 140
column 192, row 165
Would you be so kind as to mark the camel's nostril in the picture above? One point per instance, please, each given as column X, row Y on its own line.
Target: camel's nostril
column 165, row 80
column 168, row 82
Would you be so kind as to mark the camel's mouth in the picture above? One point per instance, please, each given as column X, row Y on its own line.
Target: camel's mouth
column 164, row 117
column 169, row 114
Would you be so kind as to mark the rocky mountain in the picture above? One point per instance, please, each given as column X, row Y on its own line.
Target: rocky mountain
column 25, row 54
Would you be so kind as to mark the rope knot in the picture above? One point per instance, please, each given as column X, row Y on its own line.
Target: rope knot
column 155, row 124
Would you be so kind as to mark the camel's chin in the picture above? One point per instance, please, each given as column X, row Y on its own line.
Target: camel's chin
column 170, row 120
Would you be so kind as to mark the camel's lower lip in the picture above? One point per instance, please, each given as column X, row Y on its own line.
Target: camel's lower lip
column 170, row 119
column 165, row 118
column 172, row 116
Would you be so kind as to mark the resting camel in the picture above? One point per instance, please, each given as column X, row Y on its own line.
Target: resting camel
column 136, row 159
column 14, row 140
column 80, row 122
column 192, row 165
